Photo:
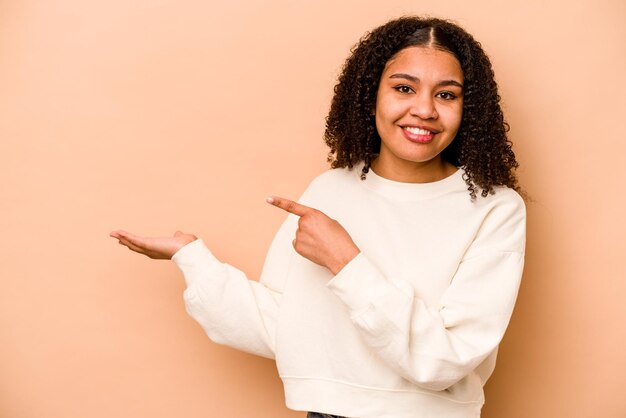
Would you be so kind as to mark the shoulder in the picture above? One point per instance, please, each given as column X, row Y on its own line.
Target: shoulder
column 505, row 202
column 503, row 223
column 336, row 175
column 330, row 182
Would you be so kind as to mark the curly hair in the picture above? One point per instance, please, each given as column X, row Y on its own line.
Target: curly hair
column 481, row 145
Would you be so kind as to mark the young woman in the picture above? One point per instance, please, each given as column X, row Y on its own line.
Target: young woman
column 388, row 288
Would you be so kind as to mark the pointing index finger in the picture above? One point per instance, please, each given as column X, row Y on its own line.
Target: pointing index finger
column 289, row 205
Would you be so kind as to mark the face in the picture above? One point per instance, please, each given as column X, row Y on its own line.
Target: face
column 419, row 105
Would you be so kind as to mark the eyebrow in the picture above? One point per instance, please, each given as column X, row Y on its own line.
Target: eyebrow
column 414, row 79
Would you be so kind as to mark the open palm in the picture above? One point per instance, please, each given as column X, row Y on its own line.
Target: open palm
column 158, row 248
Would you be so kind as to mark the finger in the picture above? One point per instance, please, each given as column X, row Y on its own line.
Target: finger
column 132, row 246
column 289, row 205
column 140, row 243
column 120, row 233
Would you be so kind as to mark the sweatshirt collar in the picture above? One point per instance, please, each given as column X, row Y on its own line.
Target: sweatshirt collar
column 414, row 191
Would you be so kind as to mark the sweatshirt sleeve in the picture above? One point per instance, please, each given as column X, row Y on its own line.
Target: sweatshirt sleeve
column 232, row 309
column 436, row 346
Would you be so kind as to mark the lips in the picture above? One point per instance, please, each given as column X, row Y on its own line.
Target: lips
column 419, row 134
column 417, row 131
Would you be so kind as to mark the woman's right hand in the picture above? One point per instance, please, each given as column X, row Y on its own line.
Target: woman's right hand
column 157, row 248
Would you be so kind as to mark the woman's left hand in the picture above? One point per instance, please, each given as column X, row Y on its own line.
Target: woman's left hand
column 319, row 238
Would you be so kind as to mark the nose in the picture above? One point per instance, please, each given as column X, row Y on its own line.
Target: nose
column 423, row 106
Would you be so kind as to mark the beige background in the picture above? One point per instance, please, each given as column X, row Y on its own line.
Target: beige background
column 157, row 115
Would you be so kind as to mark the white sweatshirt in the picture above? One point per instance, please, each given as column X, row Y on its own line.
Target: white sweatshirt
column 408, row 329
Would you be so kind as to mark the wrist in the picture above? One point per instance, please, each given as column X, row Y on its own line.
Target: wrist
column 183, row 242
column 343, row 260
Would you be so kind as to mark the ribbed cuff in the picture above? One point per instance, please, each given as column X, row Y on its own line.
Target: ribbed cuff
column 193, row 258
column 359, row 283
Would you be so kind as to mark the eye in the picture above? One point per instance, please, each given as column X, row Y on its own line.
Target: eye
column 446, row 95
column 404, row 89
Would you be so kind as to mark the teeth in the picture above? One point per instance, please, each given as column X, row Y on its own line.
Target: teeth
column 417, row 131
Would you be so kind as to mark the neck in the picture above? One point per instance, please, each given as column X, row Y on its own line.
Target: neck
column 411, row 172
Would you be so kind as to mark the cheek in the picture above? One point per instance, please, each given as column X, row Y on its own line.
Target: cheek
column 453, row 117
column 387, row 110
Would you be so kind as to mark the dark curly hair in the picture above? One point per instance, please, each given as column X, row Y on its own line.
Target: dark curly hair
column 481, row 145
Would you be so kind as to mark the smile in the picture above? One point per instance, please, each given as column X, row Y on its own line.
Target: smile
column 419, row 135
column 417, row 131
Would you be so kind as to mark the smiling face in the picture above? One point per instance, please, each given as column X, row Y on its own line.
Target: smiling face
column 418, row 112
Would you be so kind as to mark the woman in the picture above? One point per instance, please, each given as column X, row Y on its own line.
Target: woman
column 388, row 288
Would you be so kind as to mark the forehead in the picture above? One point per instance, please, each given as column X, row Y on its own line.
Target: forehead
column 424, row 61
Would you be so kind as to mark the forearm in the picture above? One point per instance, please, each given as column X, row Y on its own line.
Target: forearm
column 433, row 346
column 232, row 309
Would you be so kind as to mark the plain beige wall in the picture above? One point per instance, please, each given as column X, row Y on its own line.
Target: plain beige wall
column 154, row 116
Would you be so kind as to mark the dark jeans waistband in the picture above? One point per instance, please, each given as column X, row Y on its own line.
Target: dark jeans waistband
column 318, row 415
